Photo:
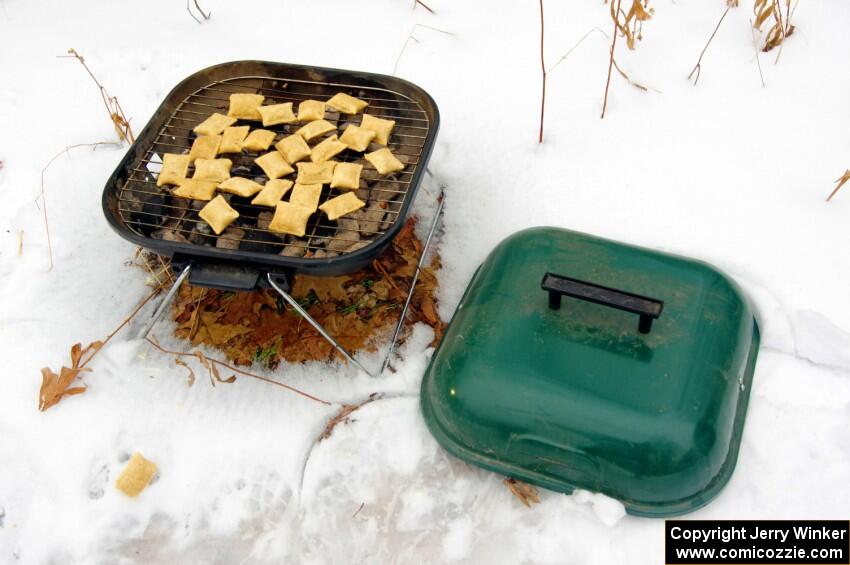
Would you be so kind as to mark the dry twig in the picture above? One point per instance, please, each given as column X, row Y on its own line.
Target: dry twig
column 423, row 4
column 113, row 107
column 630, row 26
column 573, row 48
column 543, row 69
column 198, row 7
column 698, row 67
column 342, row 417
column 43, row 196
column 409, row 37
column 214, row 362
column 841, row 181
column 756, row 49
column 610, row 60
column 55, row 387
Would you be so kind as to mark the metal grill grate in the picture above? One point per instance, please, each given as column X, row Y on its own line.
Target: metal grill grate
column 145, row 208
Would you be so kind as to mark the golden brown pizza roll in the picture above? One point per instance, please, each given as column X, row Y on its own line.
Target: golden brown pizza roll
column 275, row 114
column 205, row 147
column 380, row 126
column 357, row 138
column 346, row 104
column 195, row 189
column 245, row 106
column 173, row 169
column 232, row 139
column 258, row 140
column 306, row 195
column 240, row 187
column 341, row 205
column 346, row 176
column 293, row 148
column 315, row 173
column 309, row 110
column 327, row 149
column 272, row 192
column 218, row 214
column 216, row 170
column 136, row 475
column 274, row 165
column 290, row 218
column 315, row 129
column 384, row 160
column 214, row 125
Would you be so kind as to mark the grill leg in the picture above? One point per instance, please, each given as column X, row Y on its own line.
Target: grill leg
column 425, row 247
column 165, row 302
column 297, row 307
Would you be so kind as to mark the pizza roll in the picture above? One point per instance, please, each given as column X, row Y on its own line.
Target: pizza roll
column 173, row 169
column 245, row 106
column 214, row 125
column 274, row 165
column 290, row 218
column 315, row 173
column 136, row 475
column 328, row 148
column 272, row 193
column 275, row 114
column 258, row 140
column 309, row 110
column 205, row 147
column 384, row 160
column 380, row 126
column 293, row 148
column 216, row 170
column 346, row 176
column 306, row 195
column 357, row 138
column 346, row 104
column 341, row 205
column 240, row 187
column 218, row 214
column 315, row 129
column 195, row 189
column 232, row 139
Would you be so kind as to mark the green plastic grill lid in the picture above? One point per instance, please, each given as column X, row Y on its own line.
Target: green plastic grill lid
column 578, row 362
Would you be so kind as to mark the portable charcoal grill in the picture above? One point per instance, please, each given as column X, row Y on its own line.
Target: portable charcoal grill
column 248, row 255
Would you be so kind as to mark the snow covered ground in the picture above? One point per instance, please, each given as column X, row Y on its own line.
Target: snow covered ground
column 727, row 171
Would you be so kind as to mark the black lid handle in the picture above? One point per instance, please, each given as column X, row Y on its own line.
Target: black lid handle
column 647, row 308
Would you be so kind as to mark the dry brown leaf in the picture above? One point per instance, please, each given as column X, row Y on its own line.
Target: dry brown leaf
column 358, row 309
column 55, row 387
column 191, row 374
column 326, row 288
column 527, row 494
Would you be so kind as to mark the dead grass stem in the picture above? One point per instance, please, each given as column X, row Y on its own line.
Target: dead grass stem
column 113, row 107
